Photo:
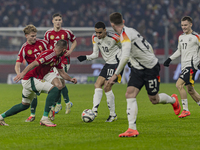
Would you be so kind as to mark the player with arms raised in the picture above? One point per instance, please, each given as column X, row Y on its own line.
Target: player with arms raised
column 109, row 44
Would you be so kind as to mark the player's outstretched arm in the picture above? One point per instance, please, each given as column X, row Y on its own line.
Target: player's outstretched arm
column 27, row 69
column 66, row 76
column 81, row 58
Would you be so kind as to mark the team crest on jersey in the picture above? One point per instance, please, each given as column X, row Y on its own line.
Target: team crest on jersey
column 190, row 39
column 41, row 60
column 52, row 37
column 62, row 36
column 40, row 47
column 42, row 80
column 29, row 52
column 52, row 64
column 108, row 42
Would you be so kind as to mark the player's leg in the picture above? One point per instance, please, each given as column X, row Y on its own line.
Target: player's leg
column 33, row 110
column 65, row 92
column 53, row 94
column 152, row 84
column 27, row 96
column 53, row 79
column 190, row 86
column 135, row 83
column 98, row 93
column 110, row 102
column 132, row 110
column 56, row 82
column 185, row 79
column 110, row 69
column 193, row 93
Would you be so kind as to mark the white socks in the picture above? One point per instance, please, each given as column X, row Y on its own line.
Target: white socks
column 165, row 99
column 44, row 118
column 98, row 92
column 111, row 102
column 185, row 104
column 132, row 111
column 1, row 118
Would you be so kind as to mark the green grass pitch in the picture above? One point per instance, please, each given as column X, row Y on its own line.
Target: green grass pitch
column 159, row 128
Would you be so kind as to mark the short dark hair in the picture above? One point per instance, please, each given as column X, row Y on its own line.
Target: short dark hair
column 56, row 15
column 116, row 18
column 188, row 18
column 62, row 43
column 100, row 25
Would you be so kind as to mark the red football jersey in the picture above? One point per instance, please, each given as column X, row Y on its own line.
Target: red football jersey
column 30, row 52
column 52, row 37
column 47, row 60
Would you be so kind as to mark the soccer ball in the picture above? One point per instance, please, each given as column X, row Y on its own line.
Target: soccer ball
column 87, row 115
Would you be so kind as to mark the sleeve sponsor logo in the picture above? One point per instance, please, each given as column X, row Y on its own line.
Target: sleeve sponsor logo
column 41, row 60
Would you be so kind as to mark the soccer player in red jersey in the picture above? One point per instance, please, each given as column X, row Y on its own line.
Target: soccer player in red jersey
column 52, row 36
column 32, row 81
column 29, row 51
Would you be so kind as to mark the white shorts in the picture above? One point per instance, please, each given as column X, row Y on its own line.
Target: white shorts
column 34, row 86
column 65, row 68
column 50, row 76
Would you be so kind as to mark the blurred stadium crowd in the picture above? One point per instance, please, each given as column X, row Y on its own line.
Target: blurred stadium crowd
column 149, row 17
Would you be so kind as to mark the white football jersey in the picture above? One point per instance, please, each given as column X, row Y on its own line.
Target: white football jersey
column 109, row 46
column 136, row 50
column 188, row 49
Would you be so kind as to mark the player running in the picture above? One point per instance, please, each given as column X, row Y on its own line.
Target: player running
column 109, row 45
column 188, row 49
column 145, row 71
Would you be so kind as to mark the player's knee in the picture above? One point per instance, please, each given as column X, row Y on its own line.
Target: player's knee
column 190, row 91
column 96, row 85
column 59, row 86
column 154, row 100
column 54, row 89
column 24, row 106
column 128, row 95
column 178, row 86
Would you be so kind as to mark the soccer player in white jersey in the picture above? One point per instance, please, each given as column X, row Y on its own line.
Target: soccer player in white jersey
column 144, row 71
column 188, row 49
column 109, row 45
